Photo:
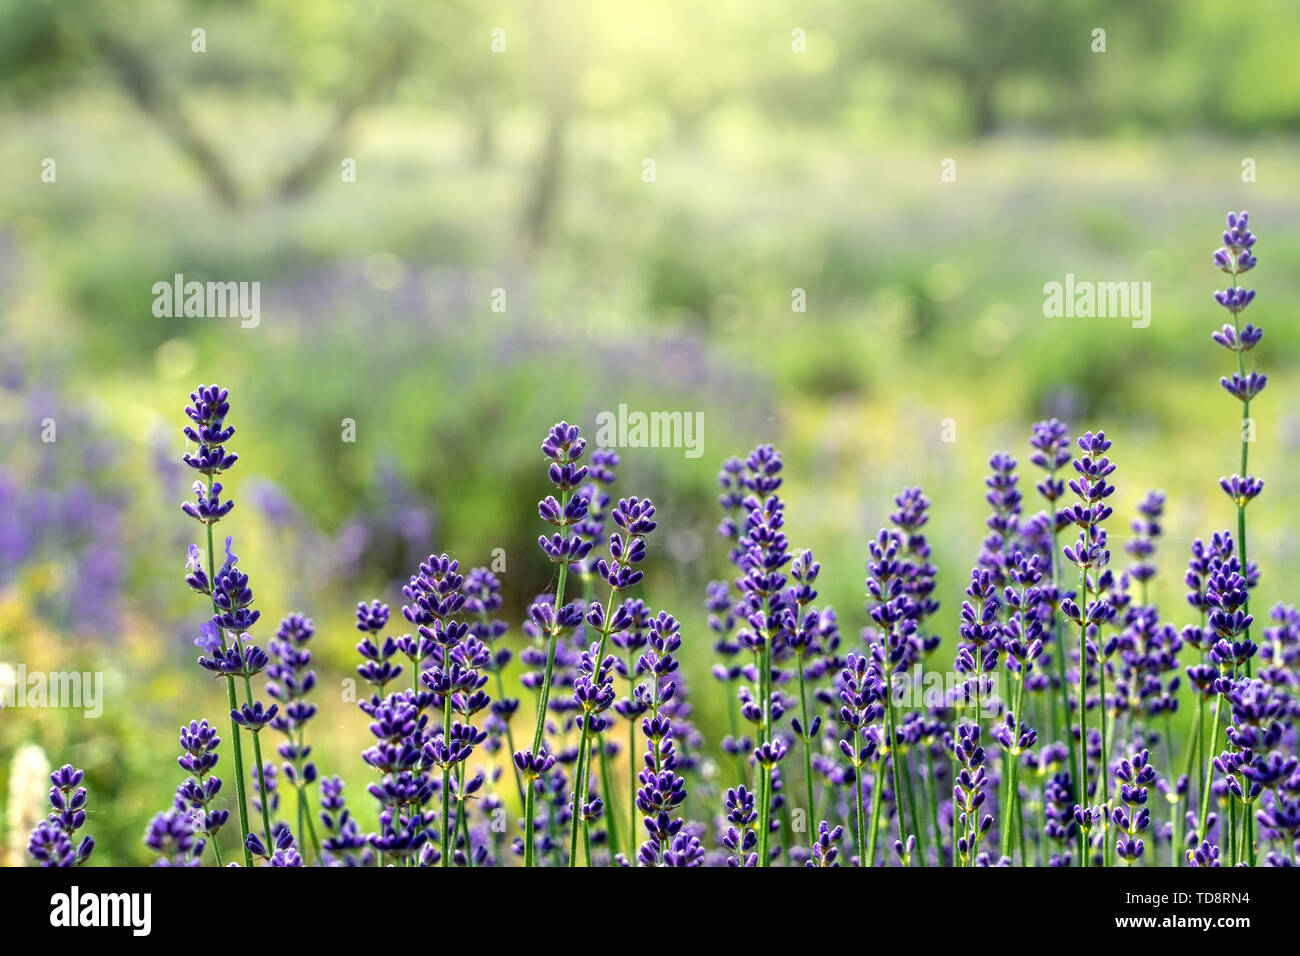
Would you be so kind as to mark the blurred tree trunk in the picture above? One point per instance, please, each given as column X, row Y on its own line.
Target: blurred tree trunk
column 482, row 123
column 560, row 39
column 980, row 101
column 145, row 86
column 546, row 179
column 325, row 153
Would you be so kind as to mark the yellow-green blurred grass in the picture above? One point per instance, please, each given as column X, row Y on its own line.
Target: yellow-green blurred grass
column 924, row 305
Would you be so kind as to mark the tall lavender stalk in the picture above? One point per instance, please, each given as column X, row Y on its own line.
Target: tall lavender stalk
column 291, row 680
column 860, row 708
column 210, row 405
column 1089, row 553
column 911, row 514
column 1236, row 258
column 976, row 659
column 1051, row 443
column 453, row 678
column 563, row 449
column 894, row 650
column 804, row 641
column 483, row 599
column 763, row 553
column 1023, row 645
column 663, row 790
column 594, row 691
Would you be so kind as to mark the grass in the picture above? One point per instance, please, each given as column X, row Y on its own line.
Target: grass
column 924, row 305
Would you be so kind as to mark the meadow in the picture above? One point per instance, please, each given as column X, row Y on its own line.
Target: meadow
column 812, row 283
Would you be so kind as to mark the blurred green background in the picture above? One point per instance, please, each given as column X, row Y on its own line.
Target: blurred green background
column 795, row 146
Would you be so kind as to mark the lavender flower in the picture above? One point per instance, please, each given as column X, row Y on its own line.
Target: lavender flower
column 171, row 835
column 482, row 590
column 894, row 649
column 860, row 697
column 740, row 839
column 1146, row 530
column 594, row 687
column 761, row 552
column 824, row 850
column 1135, row 778
column 291, row 680
column 1003, row 523
column 968, row 793
column 1235, row 257
column 344, row 843
column 1089, row 553
column 199, row 741
column 662, row 790
column 1022, row 641
column 51, row 843
column 563, row 449
column 454, row 679
column 228, row 589
column 1058, row 811
column 1051, row 443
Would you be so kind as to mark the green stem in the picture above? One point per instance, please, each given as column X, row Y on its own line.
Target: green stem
column 807, row 752
column 892, row 757
column 876, row 801
column 611, row 818
column 1245, row 416
column 582, row 787
column 304, row 807
column 579, row 773
column 1230, row 811
column 765, row 791
column 1108, row 858
column 238, row 751
column 1209, row 771
column 1060, row 651
column 530, row 806
column 1250, row 834
column 510, row 736
column 631, row 764
column 732, row 707
column 1084, row 849
column 857, row 789
column 446, row 783
column 311, row 827
column 302, row 828
column 1013, row 774
column 236, row 747
column 462, row 816
column 544, row 695
column 932, row 797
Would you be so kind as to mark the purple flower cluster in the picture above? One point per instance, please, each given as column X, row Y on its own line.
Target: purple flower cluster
column 53, row 842
column 662, row 789
column 290, row 680
column 228, row 651
column 199, row 792
column 1086, row 769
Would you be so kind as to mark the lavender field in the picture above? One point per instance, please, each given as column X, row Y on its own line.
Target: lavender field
column 486, row 437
